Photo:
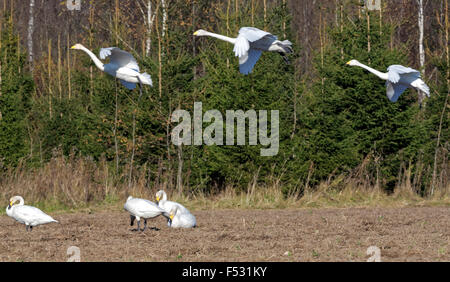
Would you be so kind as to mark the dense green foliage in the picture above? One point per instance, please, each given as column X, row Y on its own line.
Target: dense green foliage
column 15, row 98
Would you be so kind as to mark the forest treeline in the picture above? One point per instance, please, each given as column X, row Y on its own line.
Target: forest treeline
column 336, row 123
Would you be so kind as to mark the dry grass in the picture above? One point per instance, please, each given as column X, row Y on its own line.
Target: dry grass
column 74, row 184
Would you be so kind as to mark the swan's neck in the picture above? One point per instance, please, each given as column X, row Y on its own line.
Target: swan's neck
column 221, row 37
column 163, row 197
column 9, row 210
column 94, row 58
column 381, row 75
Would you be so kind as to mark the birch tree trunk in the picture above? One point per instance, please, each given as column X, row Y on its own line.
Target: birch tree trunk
column 421, row 48
column 164, row 19
column 30, row 34
column 421, row 35
column 149, row 28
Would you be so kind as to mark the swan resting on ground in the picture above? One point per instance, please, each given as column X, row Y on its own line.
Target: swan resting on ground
column 28, row 215
column 141, row 208
column 121, row 65
column 250, row 44
column 181, row 220
column 161, row 200
column 398, row 79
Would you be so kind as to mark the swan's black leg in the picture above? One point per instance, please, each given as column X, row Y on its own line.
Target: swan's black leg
column 132, row 218
column 138, row 226
column 145, row 224
column 285, row 58
column 31, row 228
column 140, row 88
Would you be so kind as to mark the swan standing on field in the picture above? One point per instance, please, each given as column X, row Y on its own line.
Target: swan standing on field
column 398, row 79
column 141, row 208
column 181, row 220
column 250, row 44
column 28, row 215
column 161, row 200
column 121, row 65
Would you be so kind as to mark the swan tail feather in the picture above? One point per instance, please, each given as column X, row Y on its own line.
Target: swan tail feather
column 147, row 79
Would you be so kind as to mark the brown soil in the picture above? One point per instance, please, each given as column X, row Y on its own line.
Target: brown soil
column 406, row 234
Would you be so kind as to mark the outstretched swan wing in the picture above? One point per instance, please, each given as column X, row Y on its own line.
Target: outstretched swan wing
column 128, row 85
column 241, row 47
column 119, row 57
column 246, row 66
column 394, row 91
column 396, row 71
column 253, row 34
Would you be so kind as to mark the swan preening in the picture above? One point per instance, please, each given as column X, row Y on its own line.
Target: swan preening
column 121, row 65
column 250, row 44
column 161, row 199
column 181, row 219
column 179, row 215
column 28, row 215
column 141, row 208
column 398, row 79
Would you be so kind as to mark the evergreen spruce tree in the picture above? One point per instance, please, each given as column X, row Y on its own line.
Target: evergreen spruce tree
column 15, row 98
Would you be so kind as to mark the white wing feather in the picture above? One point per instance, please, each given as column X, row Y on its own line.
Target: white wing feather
column 395, row 71
column 253, row 34
column 120, row 58
column 31, row 215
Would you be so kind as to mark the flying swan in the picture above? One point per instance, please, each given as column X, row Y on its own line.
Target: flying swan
column 28, row 215
column 141, row 208
column 121, row 65
column 181, row 220
column 250, row 44
column 398, row 79
column 161, row 200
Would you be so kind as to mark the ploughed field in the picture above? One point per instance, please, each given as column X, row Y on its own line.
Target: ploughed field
column 400, row 234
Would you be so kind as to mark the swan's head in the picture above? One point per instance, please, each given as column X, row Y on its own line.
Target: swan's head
column 201, row 32
column 173, row 212
column 159, row 195
column 14, row 200
column 129, row 198
column 353, row 63
column 77, row 47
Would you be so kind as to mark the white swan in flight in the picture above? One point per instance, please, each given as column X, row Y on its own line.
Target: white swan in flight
column 28, row 215
column 398, row 79
column 161, row 199
column 181, row 220
column 141, row 208
column 121, row 65
column 250, row 44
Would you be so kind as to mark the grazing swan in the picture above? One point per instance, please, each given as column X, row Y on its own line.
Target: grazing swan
column 183, row 220
column 121, row 65
column 30, row 216
column 250, row 44
column 141, row 208
column 398, row 79
column 161, row 199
